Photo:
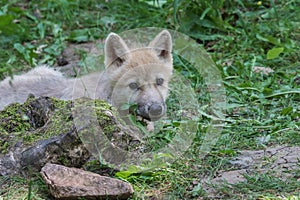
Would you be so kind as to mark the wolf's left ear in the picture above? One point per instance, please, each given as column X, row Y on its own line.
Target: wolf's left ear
column 162, row 44
column 116, row 50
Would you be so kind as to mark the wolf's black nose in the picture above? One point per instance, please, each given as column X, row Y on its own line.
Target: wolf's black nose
column 155, row 109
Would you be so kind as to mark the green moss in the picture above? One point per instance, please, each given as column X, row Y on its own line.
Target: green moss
column 60, row 122
column 43, row 118
column 57, row 121
column 105, row 113
column 14, row 119
column 36, row 119
column 106, row 121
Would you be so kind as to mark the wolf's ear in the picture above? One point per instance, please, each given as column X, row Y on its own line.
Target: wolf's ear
column 116, row 51
column 162, row 44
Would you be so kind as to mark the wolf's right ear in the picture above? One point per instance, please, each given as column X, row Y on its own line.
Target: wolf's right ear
column 116, row 50
column 162, row 44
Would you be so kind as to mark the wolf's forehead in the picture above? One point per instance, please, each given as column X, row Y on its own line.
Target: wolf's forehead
column 142, row 56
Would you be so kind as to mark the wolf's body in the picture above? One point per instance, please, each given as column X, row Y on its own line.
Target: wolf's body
column 135, row 76
column 44, row 81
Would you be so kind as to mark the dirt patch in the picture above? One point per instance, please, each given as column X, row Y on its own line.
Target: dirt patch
column 81, row 58
column 281, row 162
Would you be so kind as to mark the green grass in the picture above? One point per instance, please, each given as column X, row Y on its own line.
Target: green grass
column 23, row 188
column 263, row 110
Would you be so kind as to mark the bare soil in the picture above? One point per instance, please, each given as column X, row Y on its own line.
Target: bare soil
column 280, row 161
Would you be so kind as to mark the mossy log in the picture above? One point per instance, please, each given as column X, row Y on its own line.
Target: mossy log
column 47, row 130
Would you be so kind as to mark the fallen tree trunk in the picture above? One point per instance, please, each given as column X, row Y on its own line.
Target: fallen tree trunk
column 46, row 130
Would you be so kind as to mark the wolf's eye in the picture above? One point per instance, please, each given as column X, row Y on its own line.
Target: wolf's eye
column 133, row 86
column 159, row 81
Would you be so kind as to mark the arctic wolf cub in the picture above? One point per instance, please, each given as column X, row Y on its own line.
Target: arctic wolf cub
column 137, row 76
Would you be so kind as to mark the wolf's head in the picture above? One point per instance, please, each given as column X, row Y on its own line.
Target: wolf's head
column 140, row 76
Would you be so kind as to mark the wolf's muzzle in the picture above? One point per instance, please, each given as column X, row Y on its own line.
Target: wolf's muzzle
column 152, row 111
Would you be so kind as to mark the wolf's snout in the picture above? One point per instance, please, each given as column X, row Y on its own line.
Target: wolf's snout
column 152, row 111
column 155, row 110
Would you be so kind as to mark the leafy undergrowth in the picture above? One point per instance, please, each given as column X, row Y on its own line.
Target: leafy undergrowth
column 255, row 45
